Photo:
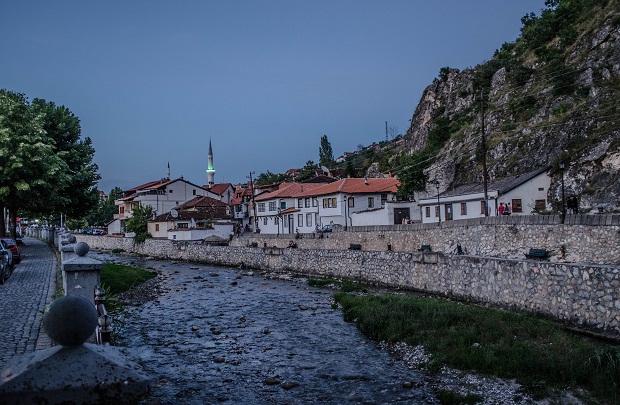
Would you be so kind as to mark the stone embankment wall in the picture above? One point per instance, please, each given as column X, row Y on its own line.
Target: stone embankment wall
column 581, row 239
column 587, row 295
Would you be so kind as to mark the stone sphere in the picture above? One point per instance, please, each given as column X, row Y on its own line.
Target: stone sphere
column 70, row 320
column 72, row 239
column 81, row 249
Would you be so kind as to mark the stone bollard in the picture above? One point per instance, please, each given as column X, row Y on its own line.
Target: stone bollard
column 80, row 274
column 74, row 372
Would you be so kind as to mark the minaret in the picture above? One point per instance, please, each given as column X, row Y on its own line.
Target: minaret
column 210, row 170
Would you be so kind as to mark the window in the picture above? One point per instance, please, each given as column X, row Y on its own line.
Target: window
column 307, row 203
column 282, row 205
column 315, row 202
column 351, row 202
column 300, row 203
column 194, row 191
column 170, row 191
column 329, row 203
column 308, row 219
column 463, row 208
column 427, row 212
column 121, row 209
column 539, row 205
column 437, row 211
column 272, row 205
column 300, row 220
column 383, row 199
column 483, row 206
column 265, row 221
column 516, row 205
column 261, row 207
column 183, row 225
column 371, row 202
column 156, row 227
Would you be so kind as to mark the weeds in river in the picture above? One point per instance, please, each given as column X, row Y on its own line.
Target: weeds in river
column 342, row 285
column 536, row 352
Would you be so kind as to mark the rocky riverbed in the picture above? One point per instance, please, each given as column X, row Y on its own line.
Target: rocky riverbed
column 211, row 334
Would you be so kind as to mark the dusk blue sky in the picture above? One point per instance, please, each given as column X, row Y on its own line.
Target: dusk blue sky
column 152, row 81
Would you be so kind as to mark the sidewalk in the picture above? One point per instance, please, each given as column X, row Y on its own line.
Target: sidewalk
column 23, row 299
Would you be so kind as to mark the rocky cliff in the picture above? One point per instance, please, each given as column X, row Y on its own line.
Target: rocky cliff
column 553, row 95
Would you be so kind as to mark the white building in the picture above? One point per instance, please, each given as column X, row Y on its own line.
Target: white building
column 526, row 195
column 304, row 207
column 162, row 195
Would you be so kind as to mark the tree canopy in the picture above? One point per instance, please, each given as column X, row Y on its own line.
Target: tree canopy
column 326, row 154
column 46, row 168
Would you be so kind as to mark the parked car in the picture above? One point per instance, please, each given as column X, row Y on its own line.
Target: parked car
column 98, row 232
column 6, row 263
column 20, row 240
column 9, row 243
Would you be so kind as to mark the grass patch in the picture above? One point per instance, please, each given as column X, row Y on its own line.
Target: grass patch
column 537, row 353
column 116, row 278
column 451, row 398
column 342, row 285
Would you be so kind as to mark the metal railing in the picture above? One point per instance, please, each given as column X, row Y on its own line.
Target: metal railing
column 103, row 333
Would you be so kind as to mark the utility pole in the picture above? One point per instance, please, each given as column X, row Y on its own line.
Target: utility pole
column 485, row 174
column 253, row 203
column 386, row 132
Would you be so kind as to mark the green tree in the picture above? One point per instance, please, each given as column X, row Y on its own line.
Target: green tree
column 29, row 168
column 75, row 191
column 270, row 178
column 104, row 212
column 138, row 223
column 326, row 154
column 307, row 172
column 47, row 169
column 412, row 174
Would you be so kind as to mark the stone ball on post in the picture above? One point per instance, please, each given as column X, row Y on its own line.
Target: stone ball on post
column 72, row 238
column 81, row 249
column 70, row 320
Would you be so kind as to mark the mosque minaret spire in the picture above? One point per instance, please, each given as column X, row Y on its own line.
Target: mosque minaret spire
column 210, row 169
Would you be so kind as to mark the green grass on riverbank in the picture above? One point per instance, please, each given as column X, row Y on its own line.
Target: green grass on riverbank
column 116, row 278
column 537, row 353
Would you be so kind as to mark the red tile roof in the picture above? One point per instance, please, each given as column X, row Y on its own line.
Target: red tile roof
column 218, row 188
column 201, row 202
column 288, row 190
column 354, row 186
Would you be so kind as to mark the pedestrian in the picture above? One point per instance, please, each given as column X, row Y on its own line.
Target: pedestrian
column 501, row 209
column 508, row 209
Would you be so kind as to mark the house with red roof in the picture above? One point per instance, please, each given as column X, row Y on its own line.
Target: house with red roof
column 197, row 219
column 162, row 195
column 225, row 191
column 305, row 207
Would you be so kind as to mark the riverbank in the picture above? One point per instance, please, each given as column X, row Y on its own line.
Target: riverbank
column 415, row 359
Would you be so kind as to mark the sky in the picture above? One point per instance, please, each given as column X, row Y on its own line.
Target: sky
column 153, row 82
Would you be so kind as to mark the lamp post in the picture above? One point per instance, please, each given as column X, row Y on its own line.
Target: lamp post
column 563, row 215
column 438, row 206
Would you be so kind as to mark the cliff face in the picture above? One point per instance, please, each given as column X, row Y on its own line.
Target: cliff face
column 543, row 101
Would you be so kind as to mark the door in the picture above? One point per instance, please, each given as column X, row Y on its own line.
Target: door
column 291, row 224
column 400, row 214
column 448, row 211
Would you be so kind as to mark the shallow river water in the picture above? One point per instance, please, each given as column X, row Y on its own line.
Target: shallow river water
column 223, row 335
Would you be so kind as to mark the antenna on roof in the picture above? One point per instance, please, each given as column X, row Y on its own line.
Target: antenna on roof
column 174, row 213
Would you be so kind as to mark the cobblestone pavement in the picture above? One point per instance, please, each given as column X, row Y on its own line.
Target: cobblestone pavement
column 24, row 297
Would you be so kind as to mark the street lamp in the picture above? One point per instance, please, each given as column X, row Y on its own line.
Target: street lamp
column 563, row 216
column 438, row 206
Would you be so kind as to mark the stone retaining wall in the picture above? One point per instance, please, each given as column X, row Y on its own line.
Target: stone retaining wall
column 582, row 239
column 586, row 295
